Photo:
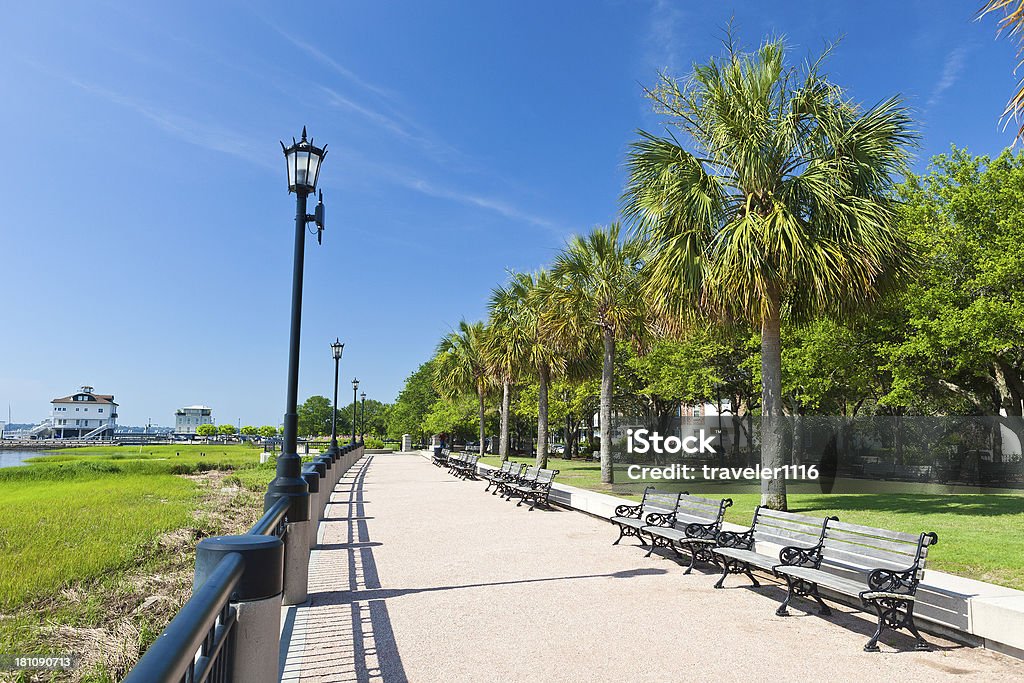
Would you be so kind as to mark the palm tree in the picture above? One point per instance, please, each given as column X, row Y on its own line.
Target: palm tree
column 461, row 368
column 518, row 311
column 781, row 207
column 501, row 355
column 602, row 285
column 1013, row 24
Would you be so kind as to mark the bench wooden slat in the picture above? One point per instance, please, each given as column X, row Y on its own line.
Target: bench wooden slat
column 785, row 537
column 895, row 546
column 872, row 531
column 712, row 502
column 698, row 502
column 686, row 518
column 789, row 516
column 789, row 526
column 861, row 561
column 867, row 552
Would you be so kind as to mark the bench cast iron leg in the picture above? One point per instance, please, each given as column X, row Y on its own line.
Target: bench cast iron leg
column 894, row 613
column 823, row 609
column 782, row 611
column 725, row 572
column 622, row 534
column 693, row 560
column 731, row 566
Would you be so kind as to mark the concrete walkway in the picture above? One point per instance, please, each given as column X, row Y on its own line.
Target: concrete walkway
column 423, row 577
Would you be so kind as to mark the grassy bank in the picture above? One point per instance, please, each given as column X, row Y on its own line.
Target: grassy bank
column 979, row 534
column 97, row 545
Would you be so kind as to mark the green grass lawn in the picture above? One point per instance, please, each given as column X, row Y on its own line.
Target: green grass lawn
column 980, row 534
column 56, row 532
column 87, row 536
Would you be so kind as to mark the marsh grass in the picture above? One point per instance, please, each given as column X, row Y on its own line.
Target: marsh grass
column 97, row 546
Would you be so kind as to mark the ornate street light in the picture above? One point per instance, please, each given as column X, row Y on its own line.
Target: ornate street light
column 355, row 389
column 336, row 350
column 362, row 416
column 304, row 160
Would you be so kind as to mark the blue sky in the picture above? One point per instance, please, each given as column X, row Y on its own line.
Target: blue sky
column 145, row 225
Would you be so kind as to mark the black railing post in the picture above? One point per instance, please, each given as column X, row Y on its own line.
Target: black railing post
column 312, row 478
column 252, row 652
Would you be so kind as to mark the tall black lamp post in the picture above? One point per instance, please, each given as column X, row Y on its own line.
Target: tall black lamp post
column 355, row 389
column 336, row 350
column 362, row 415
column 303, row 159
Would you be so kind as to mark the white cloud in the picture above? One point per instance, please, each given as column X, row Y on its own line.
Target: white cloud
column 333, row 64
column 664, row 44
column 188, row 129
column 951, row 71
column 489, row 203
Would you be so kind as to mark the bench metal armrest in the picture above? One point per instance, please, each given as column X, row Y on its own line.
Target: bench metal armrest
column 628, row 511
column 903, row 581
column 661, row 519
column 744, row 540
column 800, row 556
column 697, row 530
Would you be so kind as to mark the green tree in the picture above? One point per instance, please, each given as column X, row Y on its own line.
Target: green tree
column 523, row 310
column 505, row 366
column 457, row 416
column 250, row 430
column 602, row 285
column 226, row 430
column 315, row 416
column 460, row 367
column 782, row 208
column 268, row 431
column 206, row 430
column 962, row 345
column 413, row 404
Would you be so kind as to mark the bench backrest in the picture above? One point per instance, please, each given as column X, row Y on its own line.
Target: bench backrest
column 699, row 510
column 530, row 475
column 545, row 477
column 658, row 502
column 515, row 469
column 471, row 460
column 505, row 467
column 860, row 549
column 786, row 528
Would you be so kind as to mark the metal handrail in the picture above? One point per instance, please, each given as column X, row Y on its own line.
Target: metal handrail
column 270, row 522
column 172, row 656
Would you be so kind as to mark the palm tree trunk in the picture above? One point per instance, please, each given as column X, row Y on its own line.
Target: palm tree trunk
column 607, row 370
column 544, row 376
column 773, row 491
column 506, row 406
column 480, row 394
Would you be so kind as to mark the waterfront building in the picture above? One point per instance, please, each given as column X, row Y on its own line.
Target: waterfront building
column 188, row 418
column 84, row 414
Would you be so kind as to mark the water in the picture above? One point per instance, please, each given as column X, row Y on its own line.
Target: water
column 16, row 458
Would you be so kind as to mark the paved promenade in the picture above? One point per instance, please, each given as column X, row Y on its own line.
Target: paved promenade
column 423, row 577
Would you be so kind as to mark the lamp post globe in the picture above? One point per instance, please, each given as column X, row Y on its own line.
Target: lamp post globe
column 355, row 390
column 303, row 160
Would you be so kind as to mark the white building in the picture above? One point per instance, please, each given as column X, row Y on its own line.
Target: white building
column 188, row 418
column 84, row 414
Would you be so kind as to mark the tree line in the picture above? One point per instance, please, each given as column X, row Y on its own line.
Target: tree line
column 775, row 250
